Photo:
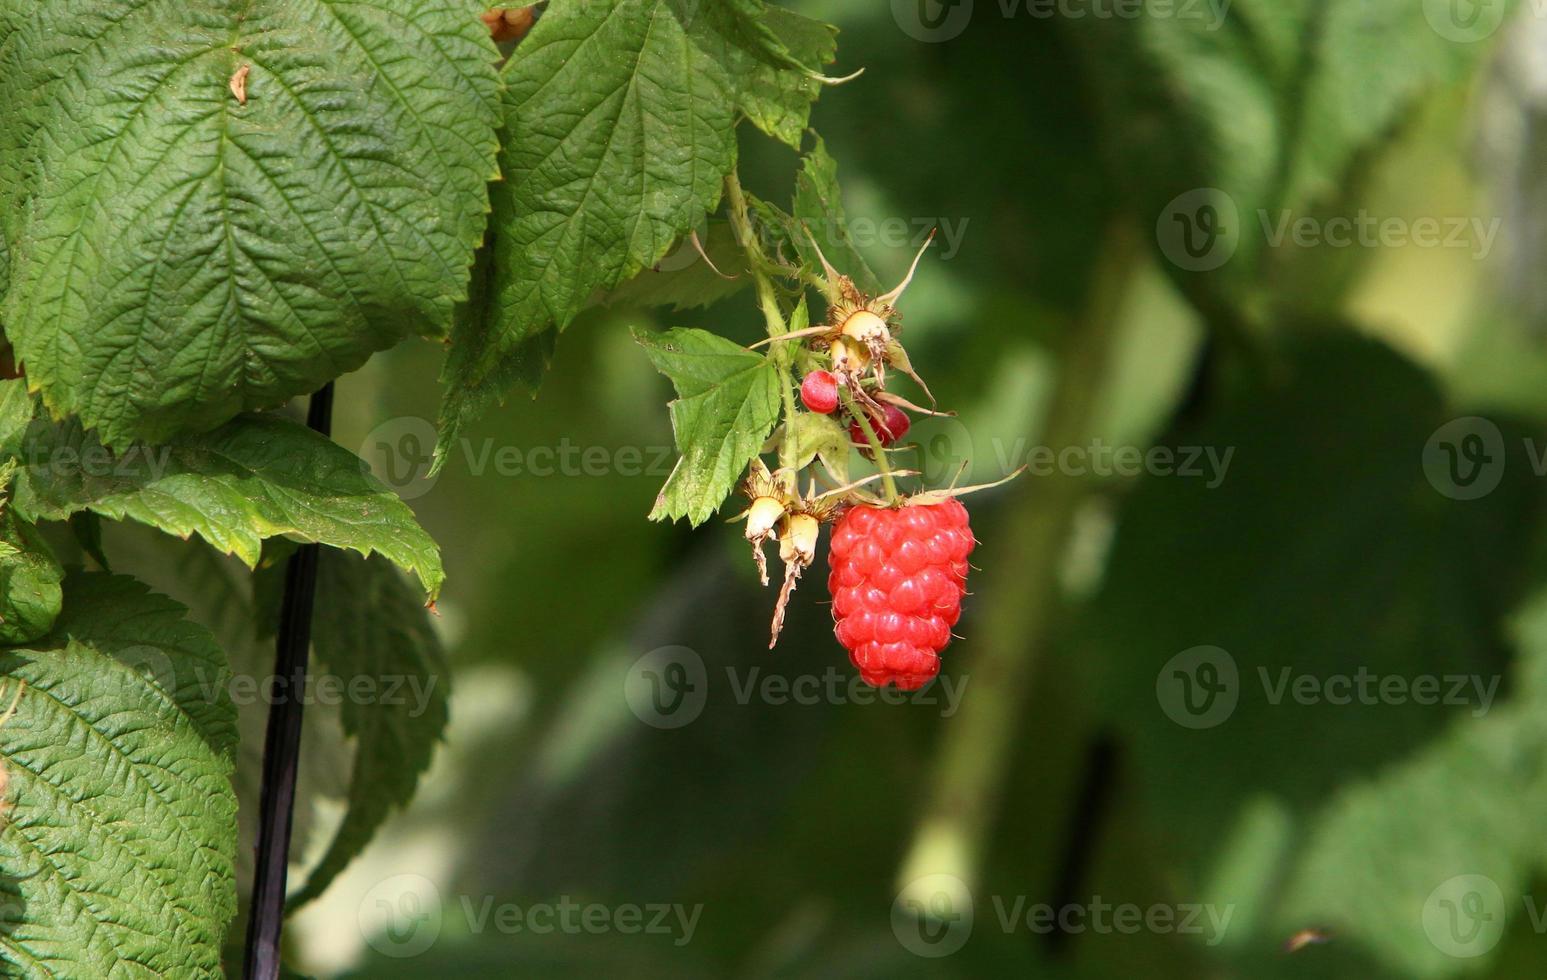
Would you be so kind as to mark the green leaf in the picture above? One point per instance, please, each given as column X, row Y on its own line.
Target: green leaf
column 1269, row 101
column 1355, row 531
column 1419, row 835
column 117, row 851
column 818, row 435
column 683, row 280
column 255, row 477
column 17, row 411
column 819, row 214
column 622, row 120
column 376, row 633
column 178, row 256
column 778, row 100
column 728, row 402
column 30, row 579
column 1472, row 804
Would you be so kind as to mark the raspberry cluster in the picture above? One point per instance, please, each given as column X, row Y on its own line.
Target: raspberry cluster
column 890, row 426
column 897, row 579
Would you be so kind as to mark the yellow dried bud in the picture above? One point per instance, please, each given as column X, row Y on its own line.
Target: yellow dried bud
column 764, row 513
column 797, row 539
column 850, row 356
column 865, row 327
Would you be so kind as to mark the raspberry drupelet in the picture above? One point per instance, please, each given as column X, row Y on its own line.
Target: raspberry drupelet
column 897, row 579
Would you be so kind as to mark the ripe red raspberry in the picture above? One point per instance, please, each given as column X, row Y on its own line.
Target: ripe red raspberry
column 897, row 579
column 888, row 430
column 819, row 392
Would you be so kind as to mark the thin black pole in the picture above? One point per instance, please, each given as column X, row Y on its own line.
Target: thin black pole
column 282, row 743
column 1083, row 834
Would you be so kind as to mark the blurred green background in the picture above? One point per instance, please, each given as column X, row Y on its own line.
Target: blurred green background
column 1117, row 184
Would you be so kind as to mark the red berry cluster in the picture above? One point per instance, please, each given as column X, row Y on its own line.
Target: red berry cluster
column 892, row 425
column 897, row 579
column 819, row 393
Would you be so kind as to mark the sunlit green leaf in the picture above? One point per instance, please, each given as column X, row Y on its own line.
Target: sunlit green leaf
column 179, row 252
column 727, row 403
column 117, row 852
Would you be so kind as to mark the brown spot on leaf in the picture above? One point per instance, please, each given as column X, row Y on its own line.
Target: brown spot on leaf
column 239, row 83
column 510, row 23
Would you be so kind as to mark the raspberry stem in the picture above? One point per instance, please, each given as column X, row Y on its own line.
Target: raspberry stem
column 773, row 316
column 876, row 449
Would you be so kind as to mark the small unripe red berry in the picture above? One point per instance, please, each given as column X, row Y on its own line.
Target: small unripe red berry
column 889, row 429
column 819, row 392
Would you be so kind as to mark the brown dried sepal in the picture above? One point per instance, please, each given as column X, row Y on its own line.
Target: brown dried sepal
column 797, row 549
